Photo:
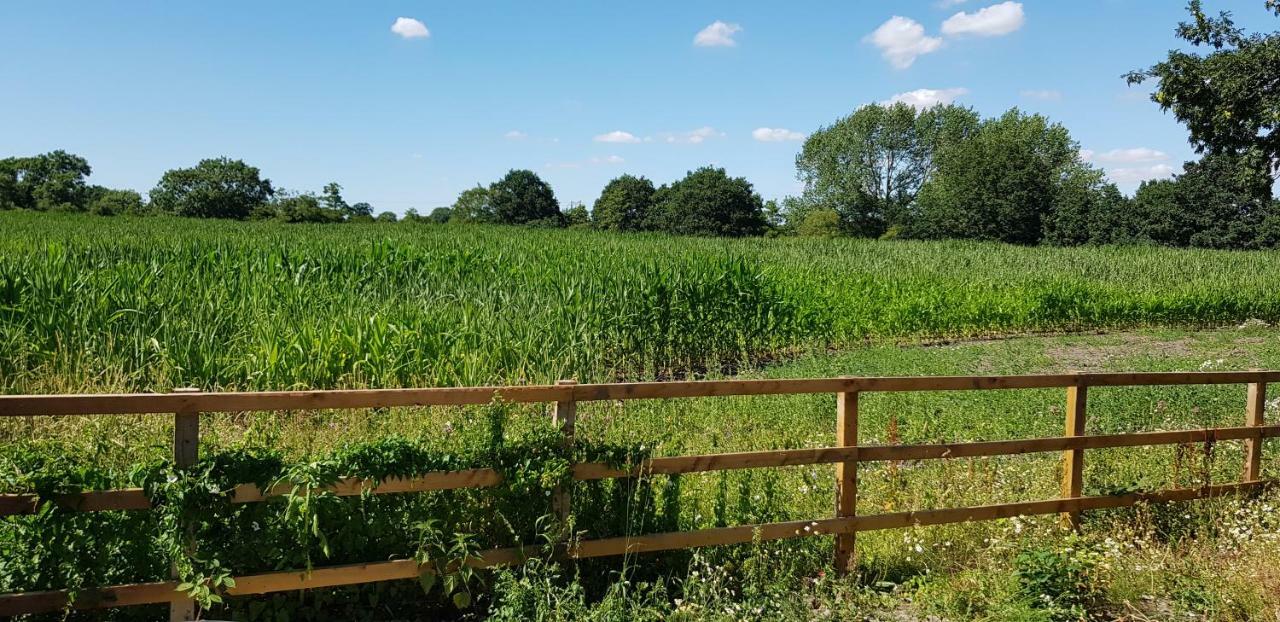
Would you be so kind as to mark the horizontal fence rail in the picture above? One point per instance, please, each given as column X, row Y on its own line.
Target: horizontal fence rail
column 187, row 405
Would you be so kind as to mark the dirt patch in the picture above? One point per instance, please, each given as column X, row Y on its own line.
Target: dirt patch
column 1096, row 357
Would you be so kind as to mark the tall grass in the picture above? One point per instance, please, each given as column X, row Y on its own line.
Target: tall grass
column 95, row 303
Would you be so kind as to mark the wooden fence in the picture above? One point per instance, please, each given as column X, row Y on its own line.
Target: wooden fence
column 186, row 407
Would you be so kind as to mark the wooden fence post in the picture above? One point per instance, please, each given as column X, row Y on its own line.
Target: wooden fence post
column 1073, row 459
column 1254, row 415
column 847, row 479
column 186, row 451
column 564, row 417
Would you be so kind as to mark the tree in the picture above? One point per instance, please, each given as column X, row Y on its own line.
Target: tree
column 577, row 216
column 1218, row 202
column 331, row 198
column 360, row 210
column 54, row 180
column 870, row 165
column 473, row 205
column 298, row 208
column 624, row 204
column 708, row 202
column 111, row 202
column 999, row 184
column 214, row 188
column 386, row 217
column 1088, row 210
column 522, row 198
column 440, row 215
column 1229, row 99
column 823, row 222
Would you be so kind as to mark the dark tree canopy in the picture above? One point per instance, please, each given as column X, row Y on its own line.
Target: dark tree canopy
column 110, row 202
column 1000, row 184
column 1229, row 98
column 708, row 202
column 522, row 198
column 440, row 215
column 624, row 204
column 214, row 188
column 54, row 180
column 1216, row 203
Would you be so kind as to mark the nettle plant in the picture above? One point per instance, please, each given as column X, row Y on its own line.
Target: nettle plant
column 197, row 531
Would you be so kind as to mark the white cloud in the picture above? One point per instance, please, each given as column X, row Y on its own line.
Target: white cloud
column 1044, row 94
column 718, row 34
column 1135, row 174
column 1132, row 155
column 410, row 28
column 926, row 98
column 515, row 135
column 901, row 40
column 775, row 134
column 607, row 160
column 693, row 137
column 617, row 136
column 992, row 21
column 946, row 4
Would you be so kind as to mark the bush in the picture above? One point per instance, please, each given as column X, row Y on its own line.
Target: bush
column 1066, row 583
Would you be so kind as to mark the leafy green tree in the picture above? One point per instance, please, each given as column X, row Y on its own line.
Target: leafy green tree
column 522, row 198
column 473, row 205
column 1087, row 209
column 1229, row 98
column 624, row 204
column 1217, row 202
column 440, row 215
column 577, row 215
column 331, row 198
column 361, row 209
column 708, row 202
column 1157, row 206
column 111, row 202
column 214, row 188
column 299, row 208
column 999, row 184
column 386, row 217
column 870, row 165
column 54, row 180
column 823, row 222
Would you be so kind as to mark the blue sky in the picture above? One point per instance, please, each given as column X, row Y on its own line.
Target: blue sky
column 579, row 92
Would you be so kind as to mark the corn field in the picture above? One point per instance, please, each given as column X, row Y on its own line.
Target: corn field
column 91, row 303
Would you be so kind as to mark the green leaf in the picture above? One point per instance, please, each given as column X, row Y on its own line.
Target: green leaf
column 427, row 580
column 462, row 600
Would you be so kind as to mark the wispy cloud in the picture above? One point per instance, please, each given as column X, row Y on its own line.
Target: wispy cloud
column 1130, row 155
column 775, row 134
column 992, row 21
column 693, row 137
column 617, row 136
column 1042, row 94
column 718, row 34
column 515, row 135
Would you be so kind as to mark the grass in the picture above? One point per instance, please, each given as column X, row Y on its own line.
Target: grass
column 108, row 304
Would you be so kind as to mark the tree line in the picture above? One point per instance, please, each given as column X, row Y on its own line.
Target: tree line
column 883, row 171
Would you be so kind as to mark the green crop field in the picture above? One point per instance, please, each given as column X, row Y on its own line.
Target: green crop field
column 96, row 304
column 92, row 304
